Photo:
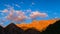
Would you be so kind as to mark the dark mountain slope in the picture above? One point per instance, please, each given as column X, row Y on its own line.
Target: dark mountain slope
column 1, row 30
column 13, row 29
column 32, row 31
column 53, row 28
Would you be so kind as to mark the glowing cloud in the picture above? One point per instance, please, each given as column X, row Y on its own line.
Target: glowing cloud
column 37, row 14
column 5, row 10
column 20, row 16
column 16, row 16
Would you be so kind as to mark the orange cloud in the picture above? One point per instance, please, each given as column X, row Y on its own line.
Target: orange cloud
column 5, row 10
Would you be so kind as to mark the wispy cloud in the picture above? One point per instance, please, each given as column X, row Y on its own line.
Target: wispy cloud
column 8, row 6
column 38, row 14
column 33, row 3
column 17, row 5
column 5, row 10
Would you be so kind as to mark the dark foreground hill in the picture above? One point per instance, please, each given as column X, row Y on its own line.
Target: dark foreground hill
column 1, row 30
column 13, row 29
column 32, row 31
column 53, row 28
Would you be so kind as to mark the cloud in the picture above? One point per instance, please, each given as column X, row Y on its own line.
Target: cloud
column 33, row 3
column 16, row 16
column 5, row 10
column 38, row 14
column 1, row 23
column 20, row 16
column 56, row 17
column 17, row 5
column 28, row 11
column 8, row 6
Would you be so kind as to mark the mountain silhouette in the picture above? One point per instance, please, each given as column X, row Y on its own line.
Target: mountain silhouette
column 13, row 29
column 1, row 30
column 53, row 28
column 32, row 31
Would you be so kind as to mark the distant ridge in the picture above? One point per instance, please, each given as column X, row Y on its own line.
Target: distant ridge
column 14, row 29
column 39, row 25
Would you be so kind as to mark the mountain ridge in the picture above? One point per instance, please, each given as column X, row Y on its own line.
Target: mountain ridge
column 37, row 24
column 14, row 29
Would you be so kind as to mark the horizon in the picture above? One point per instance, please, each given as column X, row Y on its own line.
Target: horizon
column 34, row 24
column 39, row 21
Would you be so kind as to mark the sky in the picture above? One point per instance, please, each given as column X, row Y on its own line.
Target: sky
column 19, row 11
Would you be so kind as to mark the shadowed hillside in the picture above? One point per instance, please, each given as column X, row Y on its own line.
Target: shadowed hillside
column 1, row 30
column 13, row 29
column 32, row 31
column 53, row 28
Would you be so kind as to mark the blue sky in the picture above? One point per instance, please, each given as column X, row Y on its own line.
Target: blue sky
column 51, row 7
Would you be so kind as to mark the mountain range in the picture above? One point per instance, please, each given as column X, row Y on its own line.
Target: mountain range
column 36, row 27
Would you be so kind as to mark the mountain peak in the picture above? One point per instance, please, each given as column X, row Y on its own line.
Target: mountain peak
column 11, row 25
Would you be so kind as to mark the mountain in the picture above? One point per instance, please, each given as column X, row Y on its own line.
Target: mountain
column 53, row 28
column 1, row 30
column 13, row 29
column 32, row 31
column 36, row 27
column 39, row 25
